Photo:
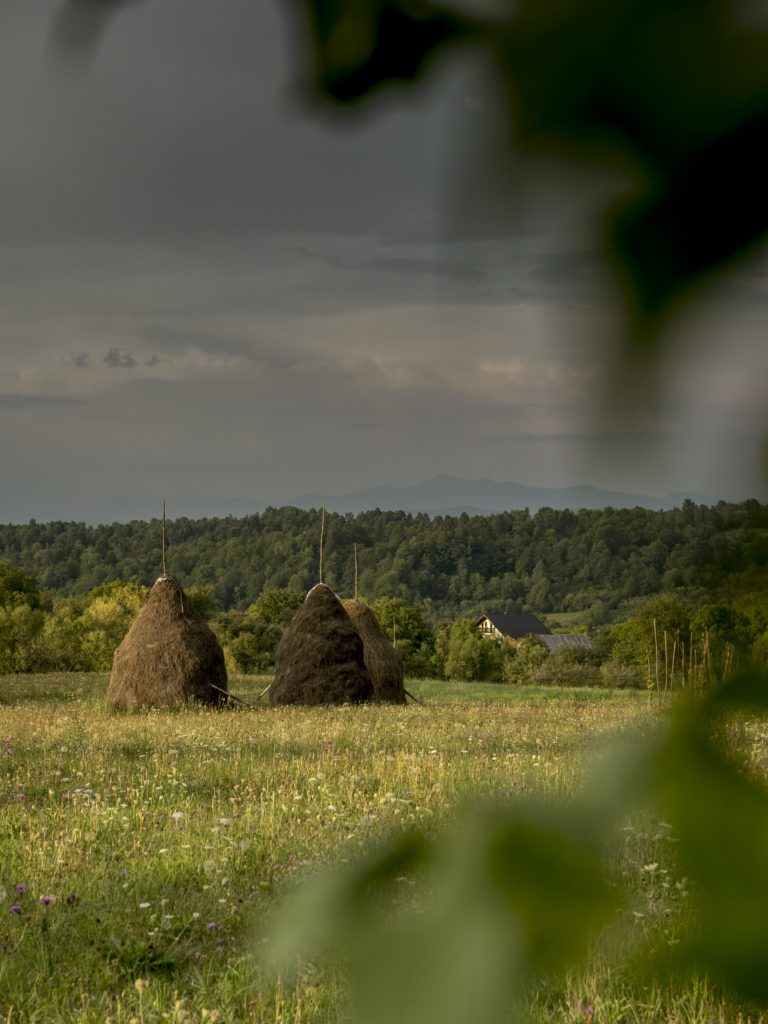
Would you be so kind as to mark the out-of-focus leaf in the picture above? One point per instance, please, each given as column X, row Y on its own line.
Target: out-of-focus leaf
column 714, row 207
column 362, row 44
column 513, row 892
column 747, row 690
column 721, row 821
column 331, row 909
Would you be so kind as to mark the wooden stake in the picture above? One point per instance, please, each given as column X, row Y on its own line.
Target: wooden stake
column 322, row 534
column 356, row 588
column 656, row 646
column 230, row 696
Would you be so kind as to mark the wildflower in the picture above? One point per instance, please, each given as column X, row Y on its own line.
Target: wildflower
column 211, row 925
column 143, row 906
column 46, row 900
column 72, row 898
column 141, row 985
column 177, row 815
column 21, row 888
column 14, row 909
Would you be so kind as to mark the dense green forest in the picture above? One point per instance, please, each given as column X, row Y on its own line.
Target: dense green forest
column 678, row 595
column 586, row 565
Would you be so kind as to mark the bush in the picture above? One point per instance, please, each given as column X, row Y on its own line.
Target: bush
column 465, row 654
column 562, row 673
column 522, row 658
column 623, row 677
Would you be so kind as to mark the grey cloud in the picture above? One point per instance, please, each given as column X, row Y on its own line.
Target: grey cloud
column 618, row 437
column 31, row 401
column 118, row 358
column 441, row 268
column 152, row 361
column 570, row 267
column 80, row 360
column 404, row 265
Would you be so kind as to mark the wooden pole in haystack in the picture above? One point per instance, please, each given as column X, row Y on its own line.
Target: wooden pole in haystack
column 356, row 581
column 322, row 534
column 165, row 567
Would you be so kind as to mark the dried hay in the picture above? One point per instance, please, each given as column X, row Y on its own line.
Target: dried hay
column 319, row 659
column 383, row 661
column 169, row 656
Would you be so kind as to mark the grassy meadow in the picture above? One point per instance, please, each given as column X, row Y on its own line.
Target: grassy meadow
column 140, row 853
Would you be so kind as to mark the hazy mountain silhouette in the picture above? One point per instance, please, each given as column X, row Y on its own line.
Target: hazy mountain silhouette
column 450, row 495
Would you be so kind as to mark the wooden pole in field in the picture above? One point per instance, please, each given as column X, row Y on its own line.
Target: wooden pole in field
column 656, row 648
column 356, row 580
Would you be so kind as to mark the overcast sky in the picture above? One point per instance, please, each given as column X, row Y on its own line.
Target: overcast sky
column 210, row 294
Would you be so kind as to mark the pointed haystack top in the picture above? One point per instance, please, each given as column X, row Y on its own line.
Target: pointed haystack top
column 169, row 657
column 383, row 661
column 320, row 656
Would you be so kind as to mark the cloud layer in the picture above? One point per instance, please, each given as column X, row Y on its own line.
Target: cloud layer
column 207, row 295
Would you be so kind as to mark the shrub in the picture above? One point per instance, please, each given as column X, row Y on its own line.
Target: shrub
column 562, row 673
column 623, row 677
column 522, row 658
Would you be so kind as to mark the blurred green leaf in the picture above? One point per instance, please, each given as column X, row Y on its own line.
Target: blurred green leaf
column 721, row 820
column 513, row 892
column 362, row 44
column 330, row 909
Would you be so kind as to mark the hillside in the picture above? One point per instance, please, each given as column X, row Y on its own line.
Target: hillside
column 589, row 562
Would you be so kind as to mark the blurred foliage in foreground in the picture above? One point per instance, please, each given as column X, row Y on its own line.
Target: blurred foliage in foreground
column 672, row 93
column 511, row 895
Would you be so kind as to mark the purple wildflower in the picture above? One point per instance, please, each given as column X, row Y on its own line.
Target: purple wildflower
column 72, row 898
column 14, row 908
column 46, row 900
column 21, row 888
column 211, row 925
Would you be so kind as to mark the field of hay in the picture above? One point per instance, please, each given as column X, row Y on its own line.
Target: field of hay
column 139, row 852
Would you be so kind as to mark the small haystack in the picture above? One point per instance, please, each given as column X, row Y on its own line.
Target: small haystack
column 383, row 661
column 169, row 657
column 319, row 659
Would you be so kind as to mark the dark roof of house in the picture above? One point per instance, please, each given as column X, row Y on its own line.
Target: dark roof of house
column 557, row 640
column 515, row 625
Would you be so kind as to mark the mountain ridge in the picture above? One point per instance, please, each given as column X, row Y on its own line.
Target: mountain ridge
column 451, row 495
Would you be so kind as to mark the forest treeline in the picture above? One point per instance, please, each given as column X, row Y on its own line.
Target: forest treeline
column 586, row 562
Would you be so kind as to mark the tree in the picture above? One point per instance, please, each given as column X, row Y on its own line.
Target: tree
column 277, row 606
column 18, row 587
column 469, row 655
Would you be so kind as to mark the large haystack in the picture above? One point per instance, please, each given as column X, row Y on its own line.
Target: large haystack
column 169, row 657
column 383, row 661
column 319, row 659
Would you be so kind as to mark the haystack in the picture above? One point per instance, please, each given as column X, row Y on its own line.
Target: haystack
column 383, row 661
column 319, row 659
column 169, row 657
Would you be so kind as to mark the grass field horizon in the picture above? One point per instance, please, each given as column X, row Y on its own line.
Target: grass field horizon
column 139, row 853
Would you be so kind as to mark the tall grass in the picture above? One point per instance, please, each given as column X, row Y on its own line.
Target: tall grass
column 139, row 852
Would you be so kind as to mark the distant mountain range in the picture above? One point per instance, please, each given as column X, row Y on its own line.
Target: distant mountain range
column 451, row 495
column 441, row 495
